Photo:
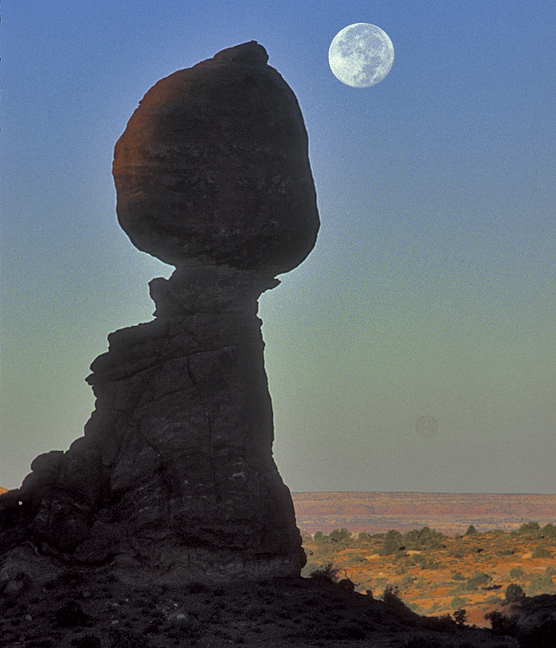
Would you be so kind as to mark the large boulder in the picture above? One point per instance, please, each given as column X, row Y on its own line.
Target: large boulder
column 213, row 167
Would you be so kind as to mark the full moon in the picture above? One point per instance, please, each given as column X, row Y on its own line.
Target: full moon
column 361, row 55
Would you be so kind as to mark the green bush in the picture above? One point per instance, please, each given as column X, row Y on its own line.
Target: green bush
column 529, row 527
column 423, row 538
column 460, row 616
column 340, row 536
column 493, row 599
column 458, row 576
column 514, row 592
column 474, row 582
column 540, row 585
column 549, row 531
column 392, row 542
column 517, row 572
column 458, row 602
column 471, row 530
column 541, row 552
column 319, row 538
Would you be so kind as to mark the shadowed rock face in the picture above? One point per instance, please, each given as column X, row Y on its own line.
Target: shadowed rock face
column 213, row 168
column 174, row 479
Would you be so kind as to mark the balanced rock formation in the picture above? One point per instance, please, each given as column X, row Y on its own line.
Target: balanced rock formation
column 213, row 168
column 174, row 478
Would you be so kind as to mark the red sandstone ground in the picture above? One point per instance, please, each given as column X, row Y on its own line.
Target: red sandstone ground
column 435, row 575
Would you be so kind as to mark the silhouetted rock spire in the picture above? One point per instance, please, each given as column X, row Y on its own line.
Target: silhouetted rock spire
column 174, row 478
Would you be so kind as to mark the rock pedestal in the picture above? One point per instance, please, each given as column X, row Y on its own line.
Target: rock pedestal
column 174, row 479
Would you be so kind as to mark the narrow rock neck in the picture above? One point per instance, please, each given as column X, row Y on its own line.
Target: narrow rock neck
column 210, row 288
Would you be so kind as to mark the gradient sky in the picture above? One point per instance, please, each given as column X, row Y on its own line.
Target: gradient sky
column 432, row 289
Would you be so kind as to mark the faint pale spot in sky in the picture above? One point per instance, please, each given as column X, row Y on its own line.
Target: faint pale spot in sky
column 427, row 426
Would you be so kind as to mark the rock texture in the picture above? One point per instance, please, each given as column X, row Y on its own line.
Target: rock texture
column 213, row 167
column 174, row 478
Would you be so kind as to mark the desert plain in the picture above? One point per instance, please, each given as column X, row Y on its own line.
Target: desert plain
column 437, row 552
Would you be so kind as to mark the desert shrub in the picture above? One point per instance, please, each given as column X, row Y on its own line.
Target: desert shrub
column 474, row 582
column 550, row 571
column 319, row 538
column 514, row 592
column 357, row 560
column 392, row 542
column 493, row 599
column 506, row 552
column 424, row 562
column 517, row 572
column 325, row 552
column 501, row 624
column 460, row 616
column 541, row 552
column 392, row 598
column 327, row 573
column 340, row 536
column 458, row 576
column 471, row 530
column 528, row 528
column 364, row 537
column 549, row 531
column 423, row 538
column 540, row 585
column 458, row 602
column 459, row 588
column 407, row 579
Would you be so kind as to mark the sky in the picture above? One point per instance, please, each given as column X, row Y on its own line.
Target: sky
column 431, row 291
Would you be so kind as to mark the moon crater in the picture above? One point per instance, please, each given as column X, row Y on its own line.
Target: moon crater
column 361, row 55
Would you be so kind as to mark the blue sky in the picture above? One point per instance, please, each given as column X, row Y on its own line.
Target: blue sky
column 431, row 291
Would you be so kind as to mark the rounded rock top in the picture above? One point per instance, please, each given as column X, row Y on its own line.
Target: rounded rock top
column 213, row 168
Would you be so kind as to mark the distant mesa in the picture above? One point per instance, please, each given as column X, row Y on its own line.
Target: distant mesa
column 174, row 479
